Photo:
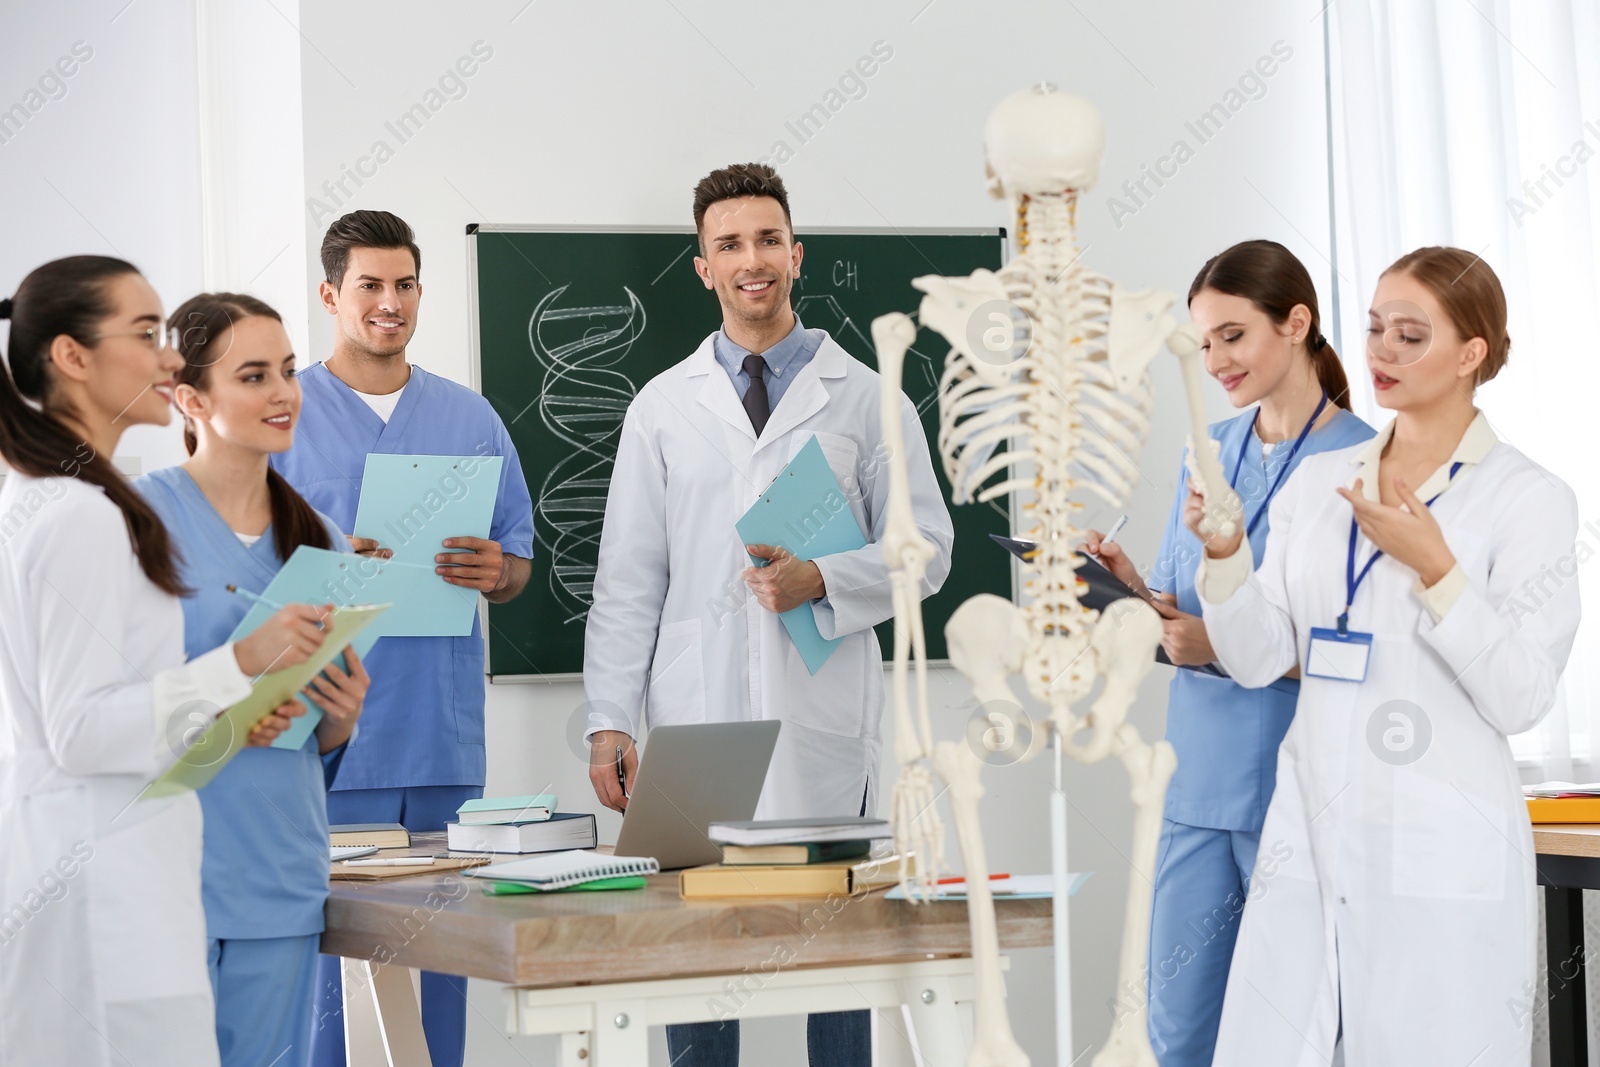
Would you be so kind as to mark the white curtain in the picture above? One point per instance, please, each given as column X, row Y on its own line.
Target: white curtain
column 1476, row 123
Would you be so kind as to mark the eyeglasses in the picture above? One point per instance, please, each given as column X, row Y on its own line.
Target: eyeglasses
column 155, row 336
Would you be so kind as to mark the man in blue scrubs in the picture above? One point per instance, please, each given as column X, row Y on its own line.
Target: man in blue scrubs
column 420, row 753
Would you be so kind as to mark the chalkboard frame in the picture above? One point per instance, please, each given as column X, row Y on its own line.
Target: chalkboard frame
column 475, row 360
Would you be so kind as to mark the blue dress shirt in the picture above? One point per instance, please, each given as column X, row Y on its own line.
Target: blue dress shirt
column 784, row 360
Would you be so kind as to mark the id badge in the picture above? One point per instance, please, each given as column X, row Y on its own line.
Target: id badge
column 1342, row 657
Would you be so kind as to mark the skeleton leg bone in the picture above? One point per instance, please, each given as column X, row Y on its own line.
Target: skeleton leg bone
column 1125, row 642
column 993, row 1044
column 1150, row 767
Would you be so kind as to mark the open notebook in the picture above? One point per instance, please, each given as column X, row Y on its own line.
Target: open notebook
column 556, row 870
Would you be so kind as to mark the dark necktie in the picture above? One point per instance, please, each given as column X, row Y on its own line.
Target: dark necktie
column 755, row 397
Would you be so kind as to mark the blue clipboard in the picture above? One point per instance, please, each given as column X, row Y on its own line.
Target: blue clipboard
column 805, row 512
column 409, row 505
column 317, row 576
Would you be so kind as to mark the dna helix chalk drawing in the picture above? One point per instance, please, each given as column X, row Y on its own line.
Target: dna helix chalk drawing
column 581, row 400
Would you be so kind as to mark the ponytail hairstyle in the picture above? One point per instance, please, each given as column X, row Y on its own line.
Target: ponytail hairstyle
column 71, row 296
column 1270, row 277
column 205, row 330
column 1469, row 292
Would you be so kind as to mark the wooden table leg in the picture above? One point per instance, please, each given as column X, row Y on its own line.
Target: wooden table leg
column 382, row 1020
column 1569, row 1021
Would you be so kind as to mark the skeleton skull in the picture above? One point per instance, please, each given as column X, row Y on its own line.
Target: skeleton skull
column 1041, row 140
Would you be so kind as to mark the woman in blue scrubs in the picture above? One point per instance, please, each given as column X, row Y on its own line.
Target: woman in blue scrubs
column 1256, row 308
column 264, row 872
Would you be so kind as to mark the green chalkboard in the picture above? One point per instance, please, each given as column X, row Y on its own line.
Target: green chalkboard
column 570, row 324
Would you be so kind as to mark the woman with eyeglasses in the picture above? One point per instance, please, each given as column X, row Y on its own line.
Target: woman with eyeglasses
column 1397, row 577
column 102, row 940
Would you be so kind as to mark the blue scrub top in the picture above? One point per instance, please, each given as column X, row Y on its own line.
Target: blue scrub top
column 423, row 720
column 1227, row 736
column 264, row 868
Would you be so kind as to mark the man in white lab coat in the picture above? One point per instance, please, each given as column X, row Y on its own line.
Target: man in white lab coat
column 679, row 615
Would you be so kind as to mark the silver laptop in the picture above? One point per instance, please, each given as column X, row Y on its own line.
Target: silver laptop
column 689, row 777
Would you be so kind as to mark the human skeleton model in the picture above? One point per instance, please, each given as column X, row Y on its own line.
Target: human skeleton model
column 1052, row 360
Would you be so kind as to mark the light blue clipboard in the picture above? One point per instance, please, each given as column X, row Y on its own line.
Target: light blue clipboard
column 410, row 504
column 805, row 512
column 317, row 576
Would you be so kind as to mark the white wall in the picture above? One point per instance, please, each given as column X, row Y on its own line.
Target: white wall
column 109, row 159
column 608, row 114
column 108, row 167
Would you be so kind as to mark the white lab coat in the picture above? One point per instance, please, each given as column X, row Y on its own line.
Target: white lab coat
column 1400, row 894
column 669, row 602
column 102, row 936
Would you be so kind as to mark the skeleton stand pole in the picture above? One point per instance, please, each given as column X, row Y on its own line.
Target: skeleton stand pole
column 1058, row 909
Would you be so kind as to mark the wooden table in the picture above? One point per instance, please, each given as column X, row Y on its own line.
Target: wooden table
column 1568, row 859
column 598, row 969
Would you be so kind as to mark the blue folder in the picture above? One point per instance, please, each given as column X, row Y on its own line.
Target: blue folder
column 317, row 576
column 409, row 505
column 805, row 512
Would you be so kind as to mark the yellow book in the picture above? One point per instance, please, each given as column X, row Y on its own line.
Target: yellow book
column 1564, row 809
column 719, row 881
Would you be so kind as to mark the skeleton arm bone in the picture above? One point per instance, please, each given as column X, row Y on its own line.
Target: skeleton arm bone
column 860, row 592
column 1223, row 506
column 919, row 832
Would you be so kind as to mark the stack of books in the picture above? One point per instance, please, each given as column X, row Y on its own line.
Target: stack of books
column 791, row 858
column 520, row 824
column 1563, row 802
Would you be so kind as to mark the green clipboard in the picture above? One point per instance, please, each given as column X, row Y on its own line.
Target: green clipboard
column 225, row 737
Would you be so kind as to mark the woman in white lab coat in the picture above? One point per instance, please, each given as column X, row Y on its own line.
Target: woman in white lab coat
column 1404, row 913
column 102, row 937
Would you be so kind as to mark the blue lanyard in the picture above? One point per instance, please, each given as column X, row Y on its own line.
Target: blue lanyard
column 1352, row 579
column 1282, row 471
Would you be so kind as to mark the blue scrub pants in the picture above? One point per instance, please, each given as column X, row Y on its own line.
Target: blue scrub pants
column 264, row 988
column 1202, row 880
column 421, row 809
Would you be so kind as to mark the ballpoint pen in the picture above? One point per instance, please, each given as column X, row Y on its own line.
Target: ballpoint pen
column 393, row 861
column 1116, row 528
column 622, row 775
column 271, row 605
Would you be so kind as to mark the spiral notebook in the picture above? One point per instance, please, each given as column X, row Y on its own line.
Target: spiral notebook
column 557, row 870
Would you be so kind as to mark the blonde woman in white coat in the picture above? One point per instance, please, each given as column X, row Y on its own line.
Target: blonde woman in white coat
column 102, row 936
column 1405, row 915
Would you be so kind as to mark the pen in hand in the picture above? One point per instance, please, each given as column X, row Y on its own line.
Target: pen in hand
column 256, row 598
column 622, row 775
column 1111, row 535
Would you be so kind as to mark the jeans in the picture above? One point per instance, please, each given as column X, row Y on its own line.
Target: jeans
column 833, row 1039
